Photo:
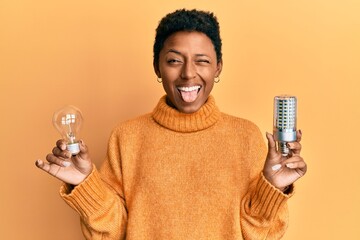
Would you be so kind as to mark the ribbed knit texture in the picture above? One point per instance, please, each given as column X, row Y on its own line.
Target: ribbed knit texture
column 170, row 175
column 172, row 119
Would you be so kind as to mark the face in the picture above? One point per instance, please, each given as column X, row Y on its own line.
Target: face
column 188, row 67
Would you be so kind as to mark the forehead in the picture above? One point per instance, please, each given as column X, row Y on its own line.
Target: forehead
column 189, row 42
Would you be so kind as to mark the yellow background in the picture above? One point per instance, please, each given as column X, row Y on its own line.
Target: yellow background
column 97, row 55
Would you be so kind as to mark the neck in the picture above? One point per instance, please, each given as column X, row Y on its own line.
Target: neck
column 166, row 115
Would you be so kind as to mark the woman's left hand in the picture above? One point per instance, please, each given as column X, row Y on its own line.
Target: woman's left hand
column 281, row 171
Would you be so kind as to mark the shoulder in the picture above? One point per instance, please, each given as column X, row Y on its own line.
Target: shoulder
column 133, row 125
column 248, row 133
column 129, row 131
column 239, row 123
column 241, row 129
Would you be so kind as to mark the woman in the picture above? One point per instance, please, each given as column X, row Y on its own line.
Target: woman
column 186, row 170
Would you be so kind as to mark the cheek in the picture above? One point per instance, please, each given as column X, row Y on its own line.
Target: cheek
column 209, row 87
column 209, row 81
column 208, row 75
column 169, row 73
column 167, row 87
column 168, row 83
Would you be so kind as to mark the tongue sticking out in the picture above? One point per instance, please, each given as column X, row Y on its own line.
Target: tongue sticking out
column 189, row 96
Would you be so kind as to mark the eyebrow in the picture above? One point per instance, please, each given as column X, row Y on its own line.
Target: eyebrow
column 174, row 51
column 179, row 53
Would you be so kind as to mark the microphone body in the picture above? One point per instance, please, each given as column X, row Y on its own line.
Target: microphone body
column 284, row 125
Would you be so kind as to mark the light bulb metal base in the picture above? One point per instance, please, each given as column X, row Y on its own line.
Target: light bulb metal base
column 285, row 136
column 74, row 148
column 283, row 148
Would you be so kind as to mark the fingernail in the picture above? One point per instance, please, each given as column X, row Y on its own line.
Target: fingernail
column 38, row 162
column 276, row 167
column 300, row 131
column 289, row 165
column 66, row 164
column 268, row 135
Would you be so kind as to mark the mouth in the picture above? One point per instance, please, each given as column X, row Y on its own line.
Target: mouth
column 189, row 94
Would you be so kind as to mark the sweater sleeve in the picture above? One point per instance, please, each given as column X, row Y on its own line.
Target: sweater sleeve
column 263, row 211
column 99, row 200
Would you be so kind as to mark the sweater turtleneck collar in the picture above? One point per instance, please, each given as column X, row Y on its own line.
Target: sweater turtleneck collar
column 172, row 119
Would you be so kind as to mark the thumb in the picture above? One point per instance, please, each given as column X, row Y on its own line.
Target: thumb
column 84, row 150
column 83, row 147
column 271, row 144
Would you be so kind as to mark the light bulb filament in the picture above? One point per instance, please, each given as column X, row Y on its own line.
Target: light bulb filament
column 71, row 137
column 67, row 120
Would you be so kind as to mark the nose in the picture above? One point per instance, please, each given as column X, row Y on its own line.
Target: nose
column 188, row 70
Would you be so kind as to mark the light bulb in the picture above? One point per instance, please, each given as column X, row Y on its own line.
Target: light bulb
column 68, row 121
column 284, row 126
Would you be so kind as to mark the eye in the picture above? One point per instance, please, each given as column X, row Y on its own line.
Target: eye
column 203, row 61
column 174, row 61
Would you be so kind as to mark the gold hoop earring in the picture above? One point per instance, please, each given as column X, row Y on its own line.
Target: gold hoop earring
column 159, row 80
column 217, row 79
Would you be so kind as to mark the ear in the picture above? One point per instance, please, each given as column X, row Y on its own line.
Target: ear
column 156, row 69
column 219, row 68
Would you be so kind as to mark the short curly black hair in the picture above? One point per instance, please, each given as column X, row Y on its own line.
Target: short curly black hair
column 187, row 20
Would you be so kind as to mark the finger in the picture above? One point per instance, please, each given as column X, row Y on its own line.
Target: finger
column 271, row 144
column 294, row 165
column 61, row 153
column 295, row 147
column 49, row 168
column 42, row 165
column 52, row 159
column 84, row 151
column 83, row 148
column 292, row 159
column 295, row 162
column 61, row 144
column 300, row 167
column 298, row 135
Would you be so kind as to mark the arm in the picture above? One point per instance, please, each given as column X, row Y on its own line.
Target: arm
column 264, row 213
column 102, row 211
column 98, row 198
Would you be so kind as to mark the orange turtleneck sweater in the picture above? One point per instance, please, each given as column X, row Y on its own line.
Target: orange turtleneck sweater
column 171, row 175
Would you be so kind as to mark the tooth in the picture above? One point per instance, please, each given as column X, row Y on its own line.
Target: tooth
column 188, row 89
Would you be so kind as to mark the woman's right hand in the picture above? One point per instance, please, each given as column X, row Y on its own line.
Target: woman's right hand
column 62, row 165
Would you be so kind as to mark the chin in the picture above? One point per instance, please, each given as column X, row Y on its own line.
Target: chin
column 190, row 108
column 178, row 103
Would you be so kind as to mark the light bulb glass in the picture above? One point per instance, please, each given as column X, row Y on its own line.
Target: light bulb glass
column 68, row 121
column 284, row 126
